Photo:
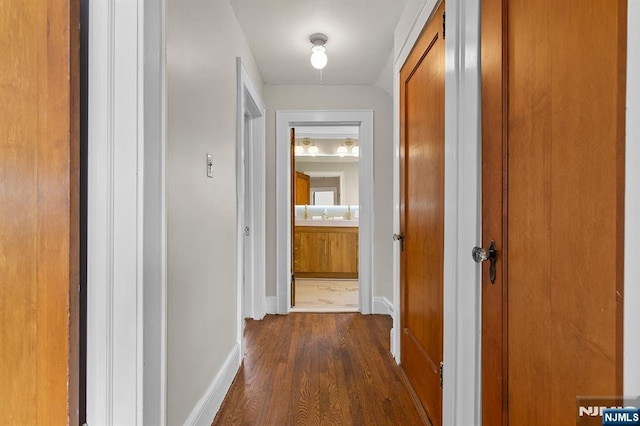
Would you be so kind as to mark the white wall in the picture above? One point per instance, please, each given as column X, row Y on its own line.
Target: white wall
column 203, row 41
column 350, row 196
column 333, row 98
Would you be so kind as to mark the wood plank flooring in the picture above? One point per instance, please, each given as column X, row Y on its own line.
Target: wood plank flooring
column 318, row 369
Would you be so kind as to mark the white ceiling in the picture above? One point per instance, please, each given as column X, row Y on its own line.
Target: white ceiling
column 360, row 36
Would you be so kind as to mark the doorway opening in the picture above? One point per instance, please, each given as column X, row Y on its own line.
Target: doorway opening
column 326, row 219
column 285, row 181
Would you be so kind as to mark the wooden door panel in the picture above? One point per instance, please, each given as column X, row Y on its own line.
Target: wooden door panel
column 494, row 385
column 559, row 91
column 39, row 205
column 422, row 215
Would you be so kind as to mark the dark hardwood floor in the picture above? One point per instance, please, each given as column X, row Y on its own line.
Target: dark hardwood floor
column 318, row 369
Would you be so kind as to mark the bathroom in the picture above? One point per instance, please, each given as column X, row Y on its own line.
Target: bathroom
column 326, row 220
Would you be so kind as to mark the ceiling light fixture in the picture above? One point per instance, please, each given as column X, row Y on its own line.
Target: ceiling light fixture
column 318, row 56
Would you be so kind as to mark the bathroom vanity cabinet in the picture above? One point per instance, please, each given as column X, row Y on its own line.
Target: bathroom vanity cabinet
column 326, row 252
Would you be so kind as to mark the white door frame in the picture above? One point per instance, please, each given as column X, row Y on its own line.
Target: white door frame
column 252, row 265
column 284, row 121
column 115, row 236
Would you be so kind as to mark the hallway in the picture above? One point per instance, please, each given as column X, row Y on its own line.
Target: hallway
column 318, row 369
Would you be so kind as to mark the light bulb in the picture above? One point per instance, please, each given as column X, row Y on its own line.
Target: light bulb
column 299, row 150
column 342, row 150
column 319, row 57
column 355, row 151
column 313, row 150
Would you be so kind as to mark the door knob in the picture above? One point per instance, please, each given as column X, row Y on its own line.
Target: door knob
column 480, row 255
column 399, row 237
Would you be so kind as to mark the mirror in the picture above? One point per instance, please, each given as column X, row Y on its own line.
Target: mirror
column 328, row 158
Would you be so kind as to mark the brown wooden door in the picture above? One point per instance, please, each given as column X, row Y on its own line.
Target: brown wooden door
column 422, row 214
column 553, row 90
column 39, row 207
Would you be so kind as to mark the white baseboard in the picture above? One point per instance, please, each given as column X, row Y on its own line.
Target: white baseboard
column 271, row 306
column 205, row 410
column 382, row 305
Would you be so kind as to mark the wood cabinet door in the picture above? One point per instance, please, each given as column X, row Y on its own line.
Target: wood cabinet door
column 343, row 252
column 314, row 250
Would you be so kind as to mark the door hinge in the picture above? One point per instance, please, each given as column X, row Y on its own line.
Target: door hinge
column 246, row 231
column 441, row 375
column 444, row 24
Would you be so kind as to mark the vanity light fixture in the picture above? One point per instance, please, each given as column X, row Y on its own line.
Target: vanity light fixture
column 342, row 150
column 309, row 146
column 355, row 150
column 318, row 56
column 313, row 149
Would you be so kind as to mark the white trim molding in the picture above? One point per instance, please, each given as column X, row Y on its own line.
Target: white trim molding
column 250, row 143
column 205, row 410
column 115, row 200
column 284, row 121
column 271, row 305
column 462, row 399
column 632, row 204
column 382, row 306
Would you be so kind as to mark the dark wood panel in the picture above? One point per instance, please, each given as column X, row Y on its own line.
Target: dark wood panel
column 39, row 205
column 318, row 369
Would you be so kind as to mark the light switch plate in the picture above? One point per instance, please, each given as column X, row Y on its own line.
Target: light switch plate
column 209, row 166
